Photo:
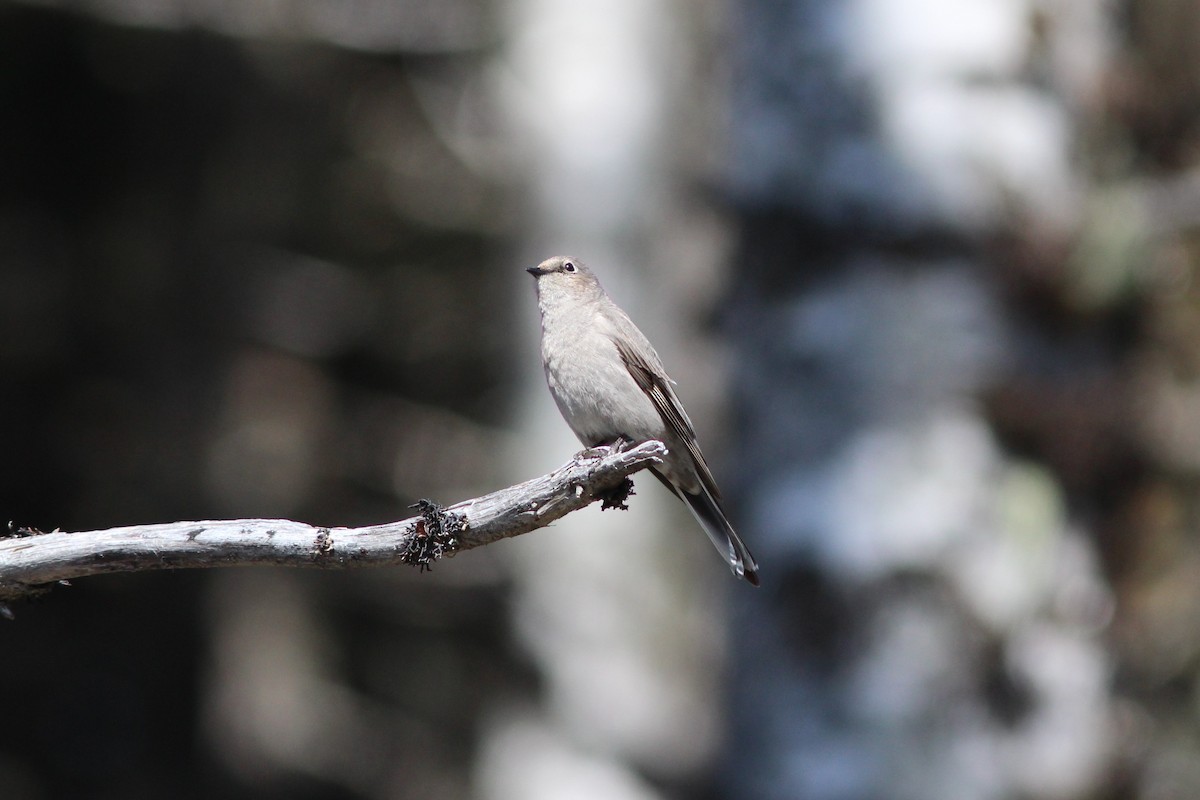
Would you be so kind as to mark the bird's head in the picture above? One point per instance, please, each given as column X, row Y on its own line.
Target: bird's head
column 564, row 277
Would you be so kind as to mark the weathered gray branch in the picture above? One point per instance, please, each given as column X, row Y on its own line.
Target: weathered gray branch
column 29, row 561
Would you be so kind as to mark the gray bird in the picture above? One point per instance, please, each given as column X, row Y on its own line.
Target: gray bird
column 610, row 386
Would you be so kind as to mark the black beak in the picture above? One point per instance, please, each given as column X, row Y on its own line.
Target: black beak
column 535, row 271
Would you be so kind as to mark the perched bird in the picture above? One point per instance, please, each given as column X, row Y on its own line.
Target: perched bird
column 610, row 386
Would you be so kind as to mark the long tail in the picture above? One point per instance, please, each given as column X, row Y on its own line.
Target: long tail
column 711, row 517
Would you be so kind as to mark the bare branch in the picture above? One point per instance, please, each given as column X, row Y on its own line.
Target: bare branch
column 29, row 561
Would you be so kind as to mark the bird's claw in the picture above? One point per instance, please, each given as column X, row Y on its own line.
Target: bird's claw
column 618, row 445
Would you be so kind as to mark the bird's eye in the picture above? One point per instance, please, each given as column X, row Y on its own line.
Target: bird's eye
column 569, row 266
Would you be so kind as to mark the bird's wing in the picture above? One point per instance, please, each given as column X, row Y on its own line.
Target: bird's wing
column 657, row 386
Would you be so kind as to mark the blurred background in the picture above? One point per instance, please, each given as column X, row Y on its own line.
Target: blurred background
column 925, row 272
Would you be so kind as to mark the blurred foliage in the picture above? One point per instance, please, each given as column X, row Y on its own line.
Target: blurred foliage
column 1107, row 387
column 248, row 277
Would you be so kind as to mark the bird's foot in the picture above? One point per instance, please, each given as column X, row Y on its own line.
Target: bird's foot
column 618, row 445
column 621, row 444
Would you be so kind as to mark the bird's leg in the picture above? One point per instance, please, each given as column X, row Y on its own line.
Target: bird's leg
column 617, row 495
column 608, row 447
column 621, row 444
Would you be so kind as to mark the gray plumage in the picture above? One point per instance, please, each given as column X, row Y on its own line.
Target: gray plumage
column 610, row 385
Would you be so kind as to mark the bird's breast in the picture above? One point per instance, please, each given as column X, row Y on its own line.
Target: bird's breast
column 593, row 388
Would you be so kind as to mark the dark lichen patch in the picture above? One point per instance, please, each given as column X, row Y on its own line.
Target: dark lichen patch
column 434, row 535
column 322, row 545
column 616, row 496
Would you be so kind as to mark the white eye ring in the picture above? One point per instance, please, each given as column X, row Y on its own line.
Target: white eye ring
column 569, row 267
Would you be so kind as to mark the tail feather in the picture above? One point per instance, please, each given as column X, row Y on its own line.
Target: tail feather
column 709, row 514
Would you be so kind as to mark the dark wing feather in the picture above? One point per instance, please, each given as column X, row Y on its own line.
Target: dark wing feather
column 655, row 384
column 705, row 504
